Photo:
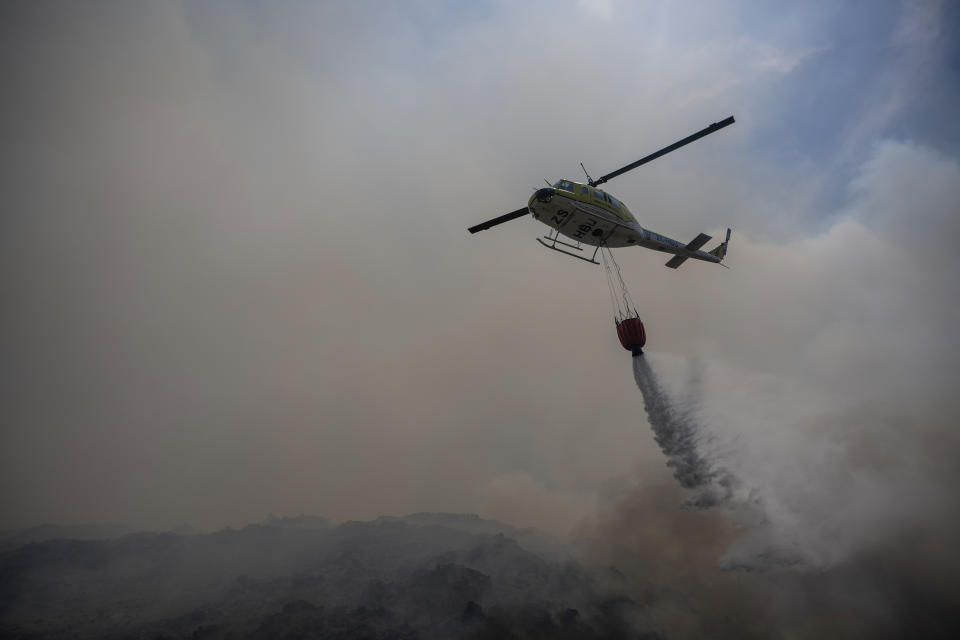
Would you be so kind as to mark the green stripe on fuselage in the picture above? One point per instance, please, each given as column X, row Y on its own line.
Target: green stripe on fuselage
column 577, row 194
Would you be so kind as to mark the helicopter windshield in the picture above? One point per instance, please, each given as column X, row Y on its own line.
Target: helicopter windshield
column 566, row 185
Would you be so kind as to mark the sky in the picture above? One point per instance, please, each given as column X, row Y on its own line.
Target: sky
column 237, row 277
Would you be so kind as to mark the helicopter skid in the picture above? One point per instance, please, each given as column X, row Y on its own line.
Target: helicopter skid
column 553, row 245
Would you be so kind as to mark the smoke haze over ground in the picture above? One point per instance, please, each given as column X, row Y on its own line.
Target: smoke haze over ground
column 421, row 576
column 237, row 281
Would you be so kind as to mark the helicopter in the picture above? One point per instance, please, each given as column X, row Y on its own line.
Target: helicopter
column 587, row 215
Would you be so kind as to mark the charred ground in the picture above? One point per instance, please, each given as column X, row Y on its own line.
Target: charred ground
column 423, row 576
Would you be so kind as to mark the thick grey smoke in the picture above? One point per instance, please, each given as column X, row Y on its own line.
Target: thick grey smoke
column 237, row 281
column 823, row 528
column 705, row 458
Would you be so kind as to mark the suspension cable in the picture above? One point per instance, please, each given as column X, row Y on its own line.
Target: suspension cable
column 624, row 293
column 611, row 287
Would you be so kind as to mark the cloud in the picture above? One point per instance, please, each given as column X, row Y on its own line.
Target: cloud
column 772, row 59
column 597, row 8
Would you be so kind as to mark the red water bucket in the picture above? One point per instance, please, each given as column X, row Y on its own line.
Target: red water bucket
column 632, row 335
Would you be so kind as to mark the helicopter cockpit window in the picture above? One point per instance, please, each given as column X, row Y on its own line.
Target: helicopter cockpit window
column 599, row 195
column 614, row 201
column 566, row 185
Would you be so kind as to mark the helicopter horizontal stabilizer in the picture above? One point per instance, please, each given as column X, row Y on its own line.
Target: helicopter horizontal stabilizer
column 693, row 245
column 698, row 242
column 676, row 261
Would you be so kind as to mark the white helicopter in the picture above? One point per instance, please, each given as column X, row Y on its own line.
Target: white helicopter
column 588, row 215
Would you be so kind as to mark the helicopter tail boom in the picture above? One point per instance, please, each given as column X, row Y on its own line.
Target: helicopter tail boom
column 693, row 247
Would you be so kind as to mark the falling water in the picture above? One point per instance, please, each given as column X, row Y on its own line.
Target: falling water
column 678, row 432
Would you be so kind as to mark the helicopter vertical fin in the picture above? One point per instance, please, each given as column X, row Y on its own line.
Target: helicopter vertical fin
column 720, row 250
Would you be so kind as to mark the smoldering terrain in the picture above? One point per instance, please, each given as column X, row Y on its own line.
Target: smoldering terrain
column 421, row 576
column 709, row 543
column 647, row 568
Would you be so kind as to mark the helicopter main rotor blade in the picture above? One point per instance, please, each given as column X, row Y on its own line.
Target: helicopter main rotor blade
column 507, row 217
column 716, row 126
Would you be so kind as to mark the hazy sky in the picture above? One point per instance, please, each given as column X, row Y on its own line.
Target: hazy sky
column 237, row 278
